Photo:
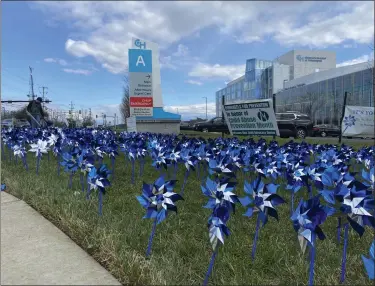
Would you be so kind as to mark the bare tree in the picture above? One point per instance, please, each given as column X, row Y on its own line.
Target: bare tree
column 312, row 103
column 125, row 104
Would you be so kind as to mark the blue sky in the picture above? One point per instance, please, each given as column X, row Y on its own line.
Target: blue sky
column 79, row 49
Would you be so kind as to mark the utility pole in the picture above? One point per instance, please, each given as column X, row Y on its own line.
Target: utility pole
column 71, row 110
column 43, row 88
column 206, row 105
column 31, row 84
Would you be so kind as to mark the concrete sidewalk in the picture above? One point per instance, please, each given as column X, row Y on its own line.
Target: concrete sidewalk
column 35, row 252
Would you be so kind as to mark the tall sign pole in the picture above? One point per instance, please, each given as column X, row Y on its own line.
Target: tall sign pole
column 342, row 114
column 140, row 81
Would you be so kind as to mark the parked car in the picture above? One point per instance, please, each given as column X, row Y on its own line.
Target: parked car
column 7, row 123
column 186, row 126
column 216, row 124
column 294, row 124
column 324, row 130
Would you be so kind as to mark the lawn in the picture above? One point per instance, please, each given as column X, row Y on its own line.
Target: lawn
column 181, row 250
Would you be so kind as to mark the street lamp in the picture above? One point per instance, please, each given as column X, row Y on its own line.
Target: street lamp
column 206, row 105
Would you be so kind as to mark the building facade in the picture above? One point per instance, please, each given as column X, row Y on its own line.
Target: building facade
column 321, row 94
column 233, row 91
column 305, row 62
column 263, row 78
column 273, row 79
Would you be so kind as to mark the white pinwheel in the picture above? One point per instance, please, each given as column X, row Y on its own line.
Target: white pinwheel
column 40, row 147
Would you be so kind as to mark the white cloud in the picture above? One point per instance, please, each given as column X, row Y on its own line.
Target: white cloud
column 56, row 60
column 182, row 51
column 207, row 71
column 193, row 111
column 194, row 82
column 104, row 29
column 78, row 71
column 361, row 59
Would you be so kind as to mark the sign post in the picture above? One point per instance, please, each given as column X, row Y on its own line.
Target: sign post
column 274, row 107
column 222, row 112
column 251, row 118
column 140, row 82
column 342, row 114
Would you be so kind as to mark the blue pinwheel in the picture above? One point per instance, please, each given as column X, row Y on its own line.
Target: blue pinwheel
column 98, row 180
column 357, row 205
column 222, row 201
column 3, row 187
column 370, row 262
column 263, row 201
column 307, row 219
column 349, row 121
column 158, row 199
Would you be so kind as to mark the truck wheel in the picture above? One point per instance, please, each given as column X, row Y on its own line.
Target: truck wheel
column 323, row 134
column 301, row 133
column 205, row 130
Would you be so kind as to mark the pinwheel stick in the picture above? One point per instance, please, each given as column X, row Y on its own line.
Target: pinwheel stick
column 185, row 180
column 291, row 202
column 58, row 165
column 312, row 259
column 25, row 162
column 133, row 171
column 113, row 166
column 3, row 152
column 343, row 264
column 339, row 229
column 210, row 267
column 100, row 195
column 82, row 182
column 255, row 238
column 37, row 163
column 70, row 180
column 148, row 252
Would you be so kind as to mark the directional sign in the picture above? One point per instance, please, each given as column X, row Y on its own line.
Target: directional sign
column 140, row 84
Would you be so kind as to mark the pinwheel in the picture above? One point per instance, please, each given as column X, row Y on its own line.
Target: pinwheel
column 111, row 151
column 39, row 148
column 189, row 162
column 369, row 178
column 307, row 219
column 98, row 180
column 21, row 152
column 173, row 157
column 3, row 187
column 263, row 201
column 158, row 199
column 357, row 204
column 370, row 262
column 132, row 153
column 222, row 201
column 349, row 121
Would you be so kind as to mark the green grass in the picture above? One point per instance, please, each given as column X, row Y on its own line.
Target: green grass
column 181, row 250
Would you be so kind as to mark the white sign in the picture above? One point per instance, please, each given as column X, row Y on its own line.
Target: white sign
column 358, row 121
column 255, row 117
column 141, row 111
column 131, row 124
column 141, row 84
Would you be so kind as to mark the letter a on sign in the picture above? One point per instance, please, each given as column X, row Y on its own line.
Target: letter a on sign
column 140, row 60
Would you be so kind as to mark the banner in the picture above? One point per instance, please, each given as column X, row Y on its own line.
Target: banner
column 255, row 117
column 358, row 121
column 131, row 124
